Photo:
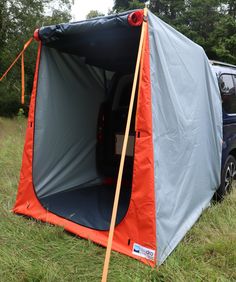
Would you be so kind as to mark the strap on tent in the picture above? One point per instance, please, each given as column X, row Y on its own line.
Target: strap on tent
column 21, row 54
column 124, row 147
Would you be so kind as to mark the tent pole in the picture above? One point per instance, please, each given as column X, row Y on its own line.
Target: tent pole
column 124, row 147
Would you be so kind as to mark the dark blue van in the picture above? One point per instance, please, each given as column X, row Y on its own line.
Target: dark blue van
column 226, row 75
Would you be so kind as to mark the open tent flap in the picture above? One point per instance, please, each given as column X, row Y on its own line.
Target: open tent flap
column 80, row 79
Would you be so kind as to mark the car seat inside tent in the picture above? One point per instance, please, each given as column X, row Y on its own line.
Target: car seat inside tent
column 83, row 93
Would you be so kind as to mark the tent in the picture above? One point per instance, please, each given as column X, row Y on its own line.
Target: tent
column 77, row 117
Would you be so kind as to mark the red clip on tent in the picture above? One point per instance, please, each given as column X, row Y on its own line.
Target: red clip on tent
column 77, row 116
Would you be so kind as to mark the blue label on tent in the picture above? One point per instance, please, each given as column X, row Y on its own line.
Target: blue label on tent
column 143, row 252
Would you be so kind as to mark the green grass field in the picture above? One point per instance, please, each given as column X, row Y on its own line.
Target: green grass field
column 34, row 251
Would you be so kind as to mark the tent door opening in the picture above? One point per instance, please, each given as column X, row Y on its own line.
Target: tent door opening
column 79, row 131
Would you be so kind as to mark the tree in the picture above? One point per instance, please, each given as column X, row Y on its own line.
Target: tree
column 169, row 11
column 210, row 23
column 120, row 6
column 94, row 14
column 18, row 20
column 225, row 39
column 124, row 5
column 200, row 21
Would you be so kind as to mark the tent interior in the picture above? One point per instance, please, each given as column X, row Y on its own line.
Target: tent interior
column 83, row 93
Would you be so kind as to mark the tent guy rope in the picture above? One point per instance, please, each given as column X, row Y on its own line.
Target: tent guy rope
column 21, row 54
column 124, row 147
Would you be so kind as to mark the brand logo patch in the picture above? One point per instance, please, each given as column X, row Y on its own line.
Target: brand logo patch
column 143, row 252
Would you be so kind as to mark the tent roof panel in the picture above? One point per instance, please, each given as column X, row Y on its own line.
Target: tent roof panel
column 107, row 42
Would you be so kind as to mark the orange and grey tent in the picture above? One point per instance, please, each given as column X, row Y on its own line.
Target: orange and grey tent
column 78, row 112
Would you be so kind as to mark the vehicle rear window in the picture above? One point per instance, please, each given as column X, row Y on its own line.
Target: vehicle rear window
column 234, row 77
column 227, row 88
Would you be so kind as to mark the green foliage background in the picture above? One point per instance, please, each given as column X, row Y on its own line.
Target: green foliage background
column 210, row 23
column 18, row 20
column 94, row 14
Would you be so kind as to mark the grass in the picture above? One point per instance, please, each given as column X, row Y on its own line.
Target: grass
column 34, row 251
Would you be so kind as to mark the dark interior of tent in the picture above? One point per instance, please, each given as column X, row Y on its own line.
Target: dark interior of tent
column 84, row 87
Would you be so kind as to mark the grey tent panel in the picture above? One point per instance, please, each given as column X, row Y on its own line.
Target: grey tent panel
column 69, row 96
column 187, row 132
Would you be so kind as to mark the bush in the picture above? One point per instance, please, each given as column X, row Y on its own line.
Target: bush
column 9, row 107
column 9, row 99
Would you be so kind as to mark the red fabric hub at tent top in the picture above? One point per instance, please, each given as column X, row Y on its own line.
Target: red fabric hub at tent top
column 136, row 18
column 36, row 35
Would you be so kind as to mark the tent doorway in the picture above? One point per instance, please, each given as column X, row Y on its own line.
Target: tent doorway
column 80, row 122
